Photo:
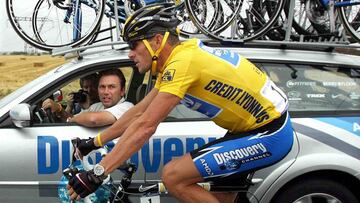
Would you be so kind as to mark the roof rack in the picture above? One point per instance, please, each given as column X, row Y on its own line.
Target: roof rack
column 325, row 42
column 77, row 51
column 302, row 42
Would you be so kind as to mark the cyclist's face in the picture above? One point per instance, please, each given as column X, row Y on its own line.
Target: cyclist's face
column 140, row 55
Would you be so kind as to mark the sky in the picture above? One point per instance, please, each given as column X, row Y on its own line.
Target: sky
column 9, row 41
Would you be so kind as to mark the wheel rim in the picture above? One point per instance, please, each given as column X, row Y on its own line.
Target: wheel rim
column 316, row 13
column 62, row 33
column 317, row 197
column 25, row 29
column 351, row 18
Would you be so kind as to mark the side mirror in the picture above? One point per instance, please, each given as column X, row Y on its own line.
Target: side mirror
column 21, row 115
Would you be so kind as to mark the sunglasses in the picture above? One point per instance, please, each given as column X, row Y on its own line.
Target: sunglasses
column 133, row 44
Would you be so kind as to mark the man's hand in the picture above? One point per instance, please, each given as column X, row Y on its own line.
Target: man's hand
column 49, row 103
column 84, row 146
column 70, row 102
column 83, row 184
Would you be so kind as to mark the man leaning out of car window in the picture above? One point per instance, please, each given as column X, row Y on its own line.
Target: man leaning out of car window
column 112, row 103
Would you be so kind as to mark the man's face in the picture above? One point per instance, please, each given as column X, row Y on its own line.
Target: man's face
column 141, row 56
column 110, row 90
column 91, row 88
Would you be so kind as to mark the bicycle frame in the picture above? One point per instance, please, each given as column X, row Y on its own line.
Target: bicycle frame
column 326, row 3
column 120, row 191
column 76, row 8
column 77, row 22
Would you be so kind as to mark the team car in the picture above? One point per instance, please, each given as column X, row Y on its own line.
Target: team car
column 323, row 89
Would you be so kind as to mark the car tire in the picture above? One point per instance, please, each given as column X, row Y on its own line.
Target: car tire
column 316, row 190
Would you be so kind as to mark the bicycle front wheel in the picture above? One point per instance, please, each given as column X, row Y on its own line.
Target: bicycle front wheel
column 41, row 24
column 350, row 16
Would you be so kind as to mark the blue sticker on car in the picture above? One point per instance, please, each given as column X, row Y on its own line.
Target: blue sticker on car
column 350, row 124
column 54, row 155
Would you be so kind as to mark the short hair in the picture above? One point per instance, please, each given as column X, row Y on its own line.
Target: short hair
column 94, row 78
column 116, row 72
column 173, row 39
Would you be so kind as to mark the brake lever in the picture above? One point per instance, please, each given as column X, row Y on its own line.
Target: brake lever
column 76, row 154
column 70, row 172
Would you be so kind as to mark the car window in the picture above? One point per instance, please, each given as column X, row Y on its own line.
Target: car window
column 316, row 87
column 70, row 87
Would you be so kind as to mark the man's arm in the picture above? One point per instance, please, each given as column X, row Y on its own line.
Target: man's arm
column 126, row 119
column 139, row 131
column 93, row 119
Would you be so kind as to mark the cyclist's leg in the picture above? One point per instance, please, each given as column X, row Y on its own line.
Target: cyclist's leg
column 225, row 196
column 229, row 157
column 180, row 177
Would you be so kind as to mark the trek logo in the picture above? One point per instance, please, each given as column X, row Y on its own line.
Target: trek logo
column 241, row 153
column 315, row 95
column 54, row 154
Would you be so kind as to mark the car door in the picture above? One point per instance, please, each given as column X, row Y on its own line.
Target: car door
column 33, row 157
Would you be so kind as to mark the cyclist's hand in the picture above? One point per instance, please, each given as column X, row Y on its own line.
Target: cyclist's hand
column 84, row 146
column 83, row 184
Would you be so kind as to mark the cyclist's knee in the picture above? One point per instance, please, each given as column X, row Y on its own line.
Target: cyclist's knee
column 169, row 175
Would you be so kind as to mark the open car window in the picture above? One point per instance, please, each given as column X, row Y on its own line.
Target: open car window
column 70, row 86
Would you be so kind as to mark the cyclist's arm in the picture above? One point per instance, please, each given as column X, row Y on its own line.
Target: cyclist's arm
column 139, row 131
column 126, row 119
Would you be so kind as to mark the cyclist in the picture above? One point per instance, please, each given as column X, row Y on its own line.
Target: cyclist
column 220, row 84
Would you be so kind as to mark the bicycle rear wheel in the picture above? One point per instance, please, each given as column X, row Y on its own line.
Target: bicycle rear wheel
column 256, row 18
column 246, row 20
column 187, row 27
column 212, row 17
column 41, row 24
column 350, row 16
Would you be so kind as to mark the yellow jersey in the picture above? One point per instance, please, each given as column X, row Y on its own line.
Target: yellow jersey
column 222, row 85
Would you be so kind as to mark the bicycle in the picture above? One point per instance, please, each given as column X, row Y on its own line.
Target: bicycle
column 53, row 15
column 150, row 191
column 59, row 23
column 248, row 20
column 329, row 17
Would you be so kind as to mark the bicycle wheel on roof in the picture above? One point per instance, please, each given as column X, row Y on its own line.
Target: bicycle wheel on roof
column 212, row 16
column 243, row 20
column 41, row 24
column 350, row 16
